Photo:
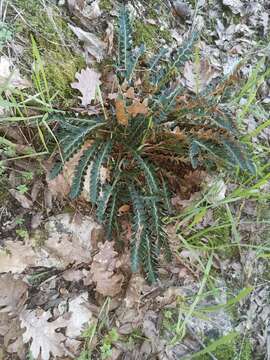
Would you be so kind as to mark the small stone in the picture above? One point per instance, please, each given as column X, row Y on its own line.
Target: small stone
column 182, row 9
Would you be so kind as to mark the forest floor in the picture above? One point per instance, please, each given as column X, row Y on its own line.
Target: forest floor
column 65, row 292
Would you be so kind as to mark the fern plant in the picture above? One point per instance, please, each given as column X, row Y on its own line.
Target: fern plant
column 172, row 131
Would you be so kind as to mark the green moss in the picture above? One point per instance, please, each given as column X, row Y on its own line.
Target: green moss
column 60, row 69
column 106, row 5
column 237, row 347
column 55, row 42
column 149, row 34
column 144, row 33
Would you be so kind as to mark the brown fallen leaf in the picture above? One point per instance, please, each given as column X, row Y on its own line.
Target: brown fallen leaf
column 105, row 270
column 123, row 209
column 10, row 77
column 60, row 186
column 13, row 294
column 74, row 275
column 121, row 115
column 92, row 44
column 83, row 10
column 45, row 339
column 66, row 242
column 198, row 76
column 137, row 108
column 130, row 94
column 13, row 342
column 16, row 257
column 78, row 315
column 70, row 239
column 88, row 81
column 75, row 4
column 21, row 198
column 109, row 37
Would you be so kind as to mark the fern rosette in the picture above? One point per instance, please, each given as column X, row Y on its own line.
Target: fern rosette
column 155, row 128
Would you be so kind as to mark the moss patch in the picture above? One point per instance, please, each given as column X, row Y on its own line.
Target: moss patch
column 55, row 42
column 106, row 5
column 60, row 69
column 241, row 348
column 149, row 34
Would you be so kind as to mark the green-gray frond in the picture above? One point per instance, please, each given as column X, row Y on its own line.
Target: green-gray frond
column 95, row 170
column 148, row 172
column 139, row 227
column 80, row 171
column 72, row 142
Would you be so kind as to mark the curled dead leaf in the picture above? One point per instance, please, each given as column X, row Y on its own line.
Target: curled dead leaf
column 21, row 198
column 109, row 37
column 121, row 115
column 198, row 76
column 92, row 44
column 105, row 270
column 137, row 108
column 123, row 209
column 13, row 294
column 130, row 93
column 10, row 77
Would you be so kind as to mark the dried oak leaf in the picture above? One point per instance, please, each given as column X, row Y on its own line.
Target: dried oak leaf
column 16, row 257
column 88, row 81
column 92, row 44
column 11, row 77
column 137, row 108
column 78, row 316
column 60, row 186
column 130, row 93
column 109, row 37
column 12, row 336
column 198, row 76
column 21, row 198
column 123, row 209
column 105, row 270
column 84, row 11
column 236, row 6
column 13, row 294
column 45, row 339
column 121, row 114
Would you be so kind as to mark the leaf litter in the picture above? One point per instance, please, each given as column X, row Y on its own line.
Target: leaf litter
column 98, row 269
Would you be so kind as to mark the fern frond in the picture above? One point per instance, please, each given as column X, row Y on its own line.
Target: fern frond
column 154, row 61
column 193, row 153
column 166, row 196
column 139, row 227
column 237, row 156
column 165, row 104
column 72, row 143
column 95, row 170
column 124, row 40
column 136, row 131
column 156, row 222
column 224, row 122
column 80, row 171
column 183, row 54
column 149, row 173
column 103, row 202
column 185, row 51
column 134, row 61
column 149, row 259
column 112, row 215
